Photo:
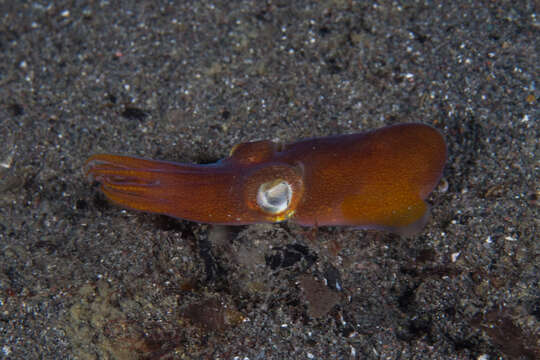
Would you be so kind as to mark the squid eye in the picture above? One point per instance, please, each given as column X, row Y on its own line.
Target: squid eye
column 274, row 196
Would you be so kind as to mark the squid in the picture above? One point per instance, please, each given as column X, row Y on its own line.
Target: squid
column 373, row 180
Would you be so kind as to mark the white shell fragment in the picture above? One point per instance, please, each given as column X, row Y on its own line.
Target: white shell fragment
column 274, row 196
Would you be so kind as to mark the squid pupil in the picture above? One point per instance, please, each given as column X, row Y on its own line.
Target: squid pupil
column 274, row 196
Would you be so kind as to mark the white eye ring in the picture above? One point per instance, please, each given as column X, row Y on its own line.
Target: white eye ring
column 274, row 196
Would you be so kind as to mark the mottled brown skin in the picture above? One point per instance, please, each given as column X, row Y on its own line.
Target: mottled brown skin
column 378, row 179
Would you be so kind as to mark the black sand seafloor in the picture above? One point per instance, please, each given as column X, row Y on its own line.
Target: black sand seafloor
column 81, row 278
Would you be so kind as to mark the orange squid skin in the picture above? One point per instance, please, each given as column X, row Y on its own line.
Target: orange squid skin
column 374, row 180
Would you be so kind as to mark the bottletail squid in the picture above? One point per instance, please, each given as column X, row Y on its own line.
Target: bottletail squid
column 373, row 180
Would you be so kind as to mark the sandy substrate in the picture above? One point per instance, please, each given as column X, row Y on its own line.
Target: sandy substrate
column 82, row 278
